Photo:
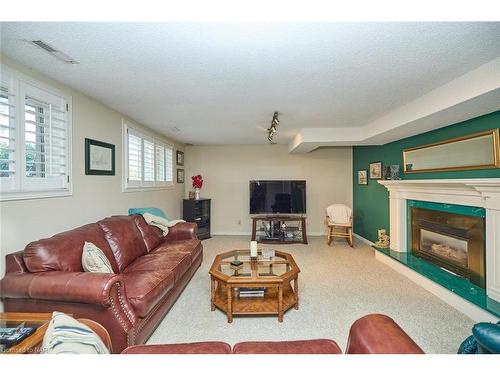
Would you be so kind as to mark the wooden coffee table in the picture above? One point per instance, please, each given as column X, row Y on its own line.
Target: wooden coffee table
column 31, row 344
column 275, row 275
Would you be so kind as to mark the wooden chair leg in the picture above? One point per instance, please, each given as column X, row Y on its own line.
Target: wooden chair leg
column 330, row 236
column 349, row 230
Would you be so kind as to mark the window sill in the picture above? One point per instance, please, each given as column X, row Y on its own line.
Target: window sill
column 15, row 196
column 145, row 188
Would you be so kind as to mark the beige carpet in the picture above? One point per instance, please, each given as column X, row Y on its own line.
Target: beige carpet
column 337, row 286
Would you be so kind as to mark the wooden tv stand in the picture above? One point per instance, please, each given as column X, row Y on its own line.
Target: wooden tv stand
column 269, row 229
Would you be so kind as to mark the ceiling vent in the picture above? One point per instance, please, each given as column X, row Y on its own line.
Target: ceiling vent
column 53, row 51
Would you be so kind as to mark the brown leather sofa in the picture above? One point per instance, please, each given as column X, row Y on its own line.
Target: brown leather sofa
column 150, row 273
column 371, row 334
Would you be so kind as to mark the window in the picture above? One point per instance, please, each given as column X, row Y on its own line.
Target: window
column 35, row 142
column 148, row 162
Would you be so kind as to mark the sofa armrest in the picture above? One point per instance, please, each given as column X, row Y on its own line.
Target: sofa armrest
column 379, row 334
column 84, row 287
column 182, row 231
column 487, row 336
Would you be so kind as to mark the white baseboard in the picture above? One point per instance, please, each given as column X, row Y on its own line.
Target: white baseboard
column 472, row 311
column 368, row 242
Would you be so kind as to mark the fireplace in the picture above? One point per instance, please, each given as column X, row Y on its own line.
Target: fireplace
column 455, row 242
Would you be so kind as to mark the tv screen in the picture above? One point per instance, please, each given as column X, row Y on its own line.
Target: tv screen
column 278, row 197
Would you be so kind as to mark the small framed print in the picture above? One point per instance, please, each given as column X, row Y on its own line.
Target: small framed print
column 376, row 170
column 99, row 158
column 179, row 157
column 362, row 177
column 180, row 176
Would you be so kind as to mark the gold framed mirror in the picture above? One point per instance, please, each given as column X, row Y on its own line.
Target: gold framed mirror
column 473, row 151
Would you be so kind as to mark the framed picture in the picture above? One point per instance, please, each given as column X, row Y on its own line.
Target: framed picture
column 180, row 157
column 362, row 177
column 180, row 176
column 99, row 158
column 376, row 170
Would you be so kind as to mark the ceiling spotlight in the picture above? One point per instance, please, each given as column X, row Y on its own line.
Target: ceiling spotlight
column 273, row 129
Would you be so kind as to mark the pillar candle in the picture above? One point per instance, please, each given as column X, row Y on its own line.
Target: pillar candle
column 253, row 249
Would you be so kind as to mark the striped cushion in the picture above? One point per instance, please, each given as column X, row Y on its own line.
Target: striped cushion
column 94, row 260
column 66, row 335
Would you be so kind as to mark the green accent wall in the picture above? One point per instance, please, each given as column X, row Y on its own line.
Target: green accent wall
column 371, row 202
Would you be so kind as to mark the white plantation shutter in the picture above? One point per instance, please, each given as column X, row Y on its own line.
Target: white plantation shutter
column 8, row 129
column 169, row 164
column 160, row 163
column 149, row 161
column 45, row 139
column 134, row 157
column 35, row 140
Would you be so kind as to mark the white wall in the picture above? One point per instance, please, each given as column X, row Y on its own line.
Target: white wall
column 227, row 170
column 94, row 197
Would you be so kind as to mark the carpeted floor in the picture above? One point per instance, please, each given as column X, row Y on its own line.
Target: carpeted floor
column 337, row 286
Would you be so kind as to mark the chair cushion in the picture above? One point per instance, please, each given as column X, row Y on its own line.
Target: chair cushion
column 209, row 347
column 191, row 247
column 151, row 235
column 124, row 238
column 320, row 346
column 63, row 252
column 146, row 288
column 172, row 261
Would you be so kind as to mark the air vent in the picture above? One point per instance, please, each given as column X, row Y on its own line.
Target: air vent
column 53, row 51
column 44, row 45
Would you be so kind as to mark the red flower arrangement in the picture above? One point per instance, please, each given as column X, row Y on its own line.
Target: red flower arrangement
column 197, row 181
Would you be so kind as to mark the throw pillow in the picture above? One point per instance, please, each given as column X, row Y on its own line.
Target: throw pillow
column 94, row 260
column 149, row 210
column 66, row 335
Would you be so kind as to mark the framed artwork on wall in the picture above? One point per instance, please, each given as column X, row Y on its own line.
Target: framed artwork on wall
column 362, row 177
column 99, row 158
column 179, row 158
column 376, row 170
column 180, row 176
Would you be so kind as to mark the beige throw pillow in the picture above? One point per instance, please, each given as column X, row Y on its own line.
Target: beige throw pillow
column 94, row 260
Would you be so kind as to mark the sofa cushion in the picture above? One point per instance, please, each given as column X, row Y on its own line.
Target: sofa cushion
column 191, row 247
column 124, row 238
column 208, row 347
column 63, row 252
column 320, row 346
column 151, row 235
column 145, row 289
column 172, row 261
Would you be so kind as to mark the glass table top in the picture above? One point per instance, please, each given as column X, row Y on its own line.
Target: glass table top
column 239, row 264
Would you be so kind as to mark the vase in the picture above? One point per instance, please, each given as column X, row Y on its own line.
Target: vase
column 196, row 193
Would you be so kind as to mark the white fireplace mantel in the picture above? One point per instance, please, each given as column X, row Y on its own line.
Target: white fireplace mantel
column 480, row 192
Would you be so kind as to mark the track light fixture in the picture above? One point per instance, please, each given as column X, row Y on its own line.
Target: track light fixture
column 273, row 129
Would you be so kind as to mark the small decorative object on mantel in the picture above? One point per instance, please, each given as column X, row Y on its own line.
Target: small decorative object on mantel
column 376, row 170
column 179, row 158
column 99, row 158
column 253, row 249
column 197, row 184
column 362, row 179
column 395, row 172
column 387, row 172
column 383, row 239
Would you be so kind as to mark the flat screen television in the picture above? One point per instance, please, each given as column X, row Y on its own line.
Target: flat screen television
column 278, row 197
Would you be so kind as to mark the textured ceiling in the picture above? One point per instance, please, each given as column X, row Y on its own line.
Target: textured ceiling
column 218, row 83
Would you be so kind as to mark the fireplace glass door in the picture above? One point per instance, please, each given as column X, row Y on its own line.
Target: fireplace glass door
column 452, row 241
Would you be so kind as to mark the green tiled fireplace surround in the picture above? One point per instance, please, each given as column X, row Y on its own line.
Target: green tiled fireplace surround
column 453, row 283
